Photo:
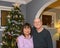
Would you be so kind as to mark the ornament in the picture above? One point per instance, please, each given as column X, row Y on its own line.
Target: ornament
column 3, row 35
column 12, row 32
column 10, row 36
column 12, row 44
column 13, row 24
column 20, row 16
column 8, row 16
column 9, row 21
column 19, row 20
column 16, row 16
column 8, row 33
column 3, row 42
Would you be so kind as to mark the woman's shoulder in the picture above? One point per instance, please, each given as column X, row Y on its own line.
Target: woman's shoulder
column 20, row 37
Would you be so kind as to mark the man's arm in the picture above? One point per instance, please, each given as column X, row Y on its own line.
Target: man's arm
column 49, row 40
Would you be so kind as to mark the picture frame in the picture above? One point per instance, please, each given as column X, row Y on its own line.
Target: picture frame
column 4, row 13
column 48, row 19
column 4, row 8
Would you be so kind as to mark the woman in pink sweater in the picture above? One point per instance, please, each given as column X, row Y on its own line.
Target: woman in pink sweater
column 25, row 40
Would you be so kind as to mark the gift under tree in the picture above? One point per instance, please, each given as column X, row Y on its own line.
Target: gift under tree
column 15, row 21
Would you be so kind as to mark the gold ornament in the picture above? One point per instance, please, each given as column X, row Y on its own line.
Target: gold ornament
column 16, row 16
column 9, row 16
column 12, row 44
column 3, row 42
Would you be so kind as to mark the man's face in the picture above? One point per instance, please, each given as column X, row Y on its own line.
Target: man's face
column 37, row 23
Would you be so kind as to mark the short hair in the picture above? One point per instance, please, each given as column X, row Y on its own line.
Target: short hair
column 39, row 19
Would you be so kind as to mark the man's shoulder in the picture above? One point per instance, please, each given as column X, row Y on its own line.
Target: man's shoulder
column 46, row 31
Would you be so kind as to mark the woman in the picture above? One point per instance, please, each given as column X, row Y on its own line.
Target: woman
column 25, row 40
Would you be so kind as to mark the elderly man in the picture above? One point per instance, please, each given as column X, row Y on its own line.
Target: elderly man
column 41, row 36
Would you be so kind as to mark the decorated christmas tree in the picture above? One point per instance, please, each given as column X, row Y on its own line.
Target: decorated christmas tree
column 15, row 21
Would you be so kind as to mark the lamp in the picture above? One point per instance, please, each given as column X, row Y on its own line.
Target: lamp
column 58, row 29
column 57, row 26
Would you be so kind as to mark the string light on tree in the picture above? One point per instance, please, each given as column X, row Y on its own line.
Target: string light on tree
column 20, row 16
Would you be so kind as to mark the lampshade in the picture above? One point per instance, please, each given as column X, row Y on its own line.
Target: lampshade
column 57, row 24
column 58, row 30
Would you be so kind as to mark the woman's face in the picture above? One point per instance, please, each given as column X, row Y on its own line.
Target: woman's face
column 27, row 30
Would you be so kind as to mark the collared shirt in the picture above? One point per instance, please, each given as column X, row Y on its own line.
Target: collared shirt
column 25, row 42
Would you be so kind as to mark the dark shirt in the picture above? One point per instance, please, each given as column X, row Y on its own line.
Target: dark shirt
column 42, row 39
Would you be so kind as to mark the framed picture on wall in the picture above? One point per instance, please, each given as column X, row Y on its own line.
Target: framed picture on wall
column 4, row 13
column 48, row 19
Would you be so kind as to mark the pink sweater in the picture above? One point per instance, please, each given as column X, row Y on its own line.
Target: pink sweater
column 24, row 42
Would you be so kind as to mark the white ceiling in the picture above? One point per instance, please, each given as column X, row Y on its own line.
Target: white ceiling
column 18, row 1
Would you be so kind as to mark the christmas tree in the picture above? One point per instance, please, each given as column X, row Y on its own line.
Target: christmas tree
column 12, row 31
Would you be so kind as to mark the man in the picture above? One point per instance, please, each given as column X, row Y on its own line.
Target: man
column 41, row 36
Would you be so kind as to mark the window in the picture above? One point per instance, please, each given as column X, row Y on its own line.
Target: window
column 4, row 13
